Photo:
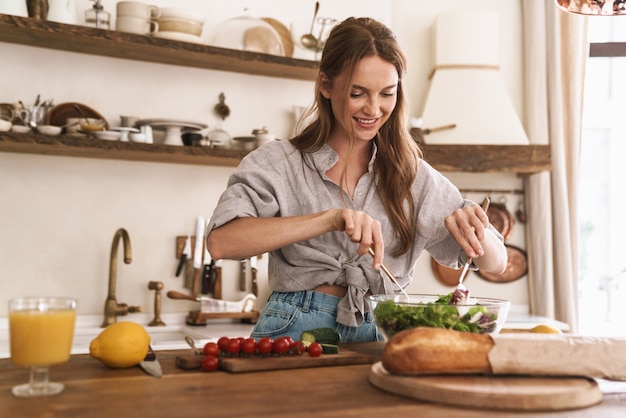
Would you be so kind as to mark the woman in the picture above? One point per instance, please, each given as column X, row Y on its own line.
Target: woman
column 352, row 180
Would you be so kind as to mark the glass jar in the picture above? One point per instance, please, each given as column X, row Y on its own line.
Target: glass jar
column 97, row 17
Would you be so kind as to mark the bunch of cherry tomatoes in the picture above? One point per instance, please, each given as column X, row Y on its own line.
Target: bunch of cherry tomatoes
column 248, row 347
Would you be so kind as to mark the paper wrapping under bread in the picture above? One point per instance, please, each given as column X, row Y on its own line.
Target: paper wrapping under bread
column 558, row 355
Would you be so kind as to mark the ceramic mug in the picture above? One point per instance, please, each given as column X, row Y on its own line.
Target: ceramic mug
column 137, row 9
column 136, row 25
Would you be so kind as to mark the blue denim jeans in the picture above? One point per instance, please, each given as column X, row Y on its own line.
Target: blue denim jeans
column 294, row 312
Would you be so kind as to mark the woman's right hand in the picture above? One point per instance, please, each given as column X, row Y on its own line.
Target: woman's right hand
column 361, row 228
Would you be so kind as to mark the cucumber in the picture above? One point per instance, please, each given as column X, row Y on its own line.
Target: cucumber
column 320, row 335
column 330, row 349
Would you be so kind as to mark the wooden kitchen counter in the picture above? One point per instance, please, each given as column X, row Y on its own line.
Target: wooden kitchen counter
column 94, row 390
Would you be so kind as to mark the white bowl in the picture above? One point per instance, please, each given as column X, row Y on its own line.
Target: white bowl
column 20, row 128
column 49, row 130
column 190, row 27
column 5, row 125
column 178, row 13
column 137, row 137
column 108, row 135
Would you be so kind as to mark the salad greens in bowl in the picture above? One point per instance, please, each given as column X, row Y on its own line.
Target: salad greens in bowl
column 456, row 310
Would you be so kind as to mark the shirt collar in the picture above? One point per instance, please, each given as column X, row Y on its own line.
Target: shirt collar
column 326, row 157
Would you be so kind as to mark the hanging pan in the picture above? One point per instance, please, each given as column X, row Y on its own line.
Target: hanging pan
column 445, row 275
column 501, row 219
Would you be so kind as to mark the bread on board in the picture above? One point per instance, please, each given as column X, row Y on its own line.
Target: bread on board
column 427, row 350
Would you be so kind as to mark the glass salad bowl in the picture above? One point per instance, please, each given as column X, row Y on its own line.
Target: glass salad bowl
column 395, row 313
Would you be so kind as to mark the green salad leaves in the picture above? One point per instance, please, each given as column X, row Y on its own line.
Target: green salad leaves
column 393, row 317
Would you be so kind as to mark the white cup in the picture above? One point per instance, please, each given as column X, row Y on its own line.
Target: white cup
column 136, row 25
column 137, row 9
column 14, row 7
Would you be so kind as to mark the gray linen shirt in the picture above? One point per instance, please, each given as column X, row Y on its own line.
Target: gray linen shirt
column 275, row 181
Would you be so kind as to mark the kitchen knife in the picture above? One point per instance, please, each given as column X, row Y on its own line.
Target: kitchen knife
column 253, row 270
column 183, row 257
column 197, row 255
column 243, row 273
column 206, row 272
column 150, row 364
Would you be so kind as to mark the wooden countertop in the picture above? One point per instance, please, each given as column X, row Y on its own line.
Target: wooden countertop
column 94, row 390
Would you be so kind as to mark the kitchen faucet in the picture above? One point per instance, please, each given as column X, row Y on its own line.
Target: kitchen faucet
column 111, row 308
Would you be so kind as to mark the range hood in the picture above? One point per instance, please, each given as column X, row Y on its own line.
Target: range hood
column 466, row 88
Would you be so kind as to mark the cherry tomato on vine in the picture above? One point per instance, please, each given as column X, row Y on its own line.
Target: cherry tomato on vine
column 234, row 346
column 264, row 345
column 281, row 345
column 222, row 343
column 211, row 349
column 315, row 349
column 210, row 363
column 297, row 348
column 248, row 346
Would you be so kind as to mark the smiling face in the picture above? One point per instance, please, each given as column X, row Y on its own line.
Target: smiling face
column 365, row 102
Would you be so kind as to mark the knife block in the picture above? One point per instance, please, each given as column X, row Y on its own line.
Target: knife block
column 197, row 317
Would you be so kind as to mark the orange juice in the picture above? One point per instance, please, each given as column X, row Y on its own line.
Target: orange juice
column 41, row 338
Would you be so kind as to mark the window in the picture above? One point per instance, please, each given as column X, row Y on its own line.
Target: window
column 602, row 194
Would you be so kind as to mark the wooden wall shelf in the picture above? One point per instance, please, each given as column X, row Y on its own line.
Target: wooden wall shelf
column 521, row 159
column 110, row 43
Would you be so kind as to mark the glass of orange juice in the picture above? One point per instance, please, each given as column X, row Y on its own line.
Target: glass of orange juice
column 41, row 331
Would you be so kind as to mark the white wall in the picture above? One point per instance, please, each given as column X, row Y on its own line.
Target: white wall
column 58, row 215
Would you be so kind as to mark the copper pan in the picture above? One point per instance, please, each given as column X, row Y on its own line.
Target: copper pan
column 501, row 219
column 445, row 275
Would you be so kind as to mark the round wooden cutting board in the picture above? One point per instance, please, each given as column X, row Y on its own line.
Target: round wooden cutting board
column 513, row 393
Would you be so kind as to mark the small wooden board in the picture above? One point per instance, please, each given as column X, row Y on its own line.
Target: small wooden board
column 255, row 364
column 514, row 393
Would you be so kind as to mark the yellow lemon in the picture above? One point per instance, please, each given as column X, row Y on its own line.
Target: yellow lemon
column 545, row 329
column 122, row 344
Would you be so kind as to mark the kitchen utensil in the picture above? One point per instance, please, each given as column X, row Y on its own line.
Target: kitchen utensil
column 60, row 113
column 247, row 33
column 246, row 304
column 253, row 270
column 183, row 257
column 516, row 267
column 197, row 255
column 192, row 344
column 207, row 267
column 284, row 33
column 444, row 274
column 243, row 274
column 389, row 274
column 150, row 364
column 345, row 357
column 173, row 128
column 522, row 393
column 501, row 219
column 309, row 40
column 461, row 286
column 124, row 132
column 108, row 135
column 49, row 130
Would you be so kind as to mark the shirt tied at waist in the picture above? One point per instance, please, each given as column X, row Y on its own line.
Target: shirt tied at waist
column 351, row 308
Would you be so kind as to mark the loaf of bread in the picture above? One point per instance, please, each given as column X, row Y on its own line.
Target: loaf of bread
column 426, row 350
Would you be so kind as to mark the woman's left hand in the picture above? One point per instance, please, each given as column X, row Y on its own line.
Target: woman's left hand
column 467, row 226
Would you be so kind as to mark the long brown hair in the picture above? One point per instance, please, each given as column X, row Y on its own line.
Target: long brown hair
column 398, row 155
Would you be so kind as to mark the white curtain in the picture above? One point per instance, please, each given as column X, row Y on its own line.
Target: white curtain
column 555, row 51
